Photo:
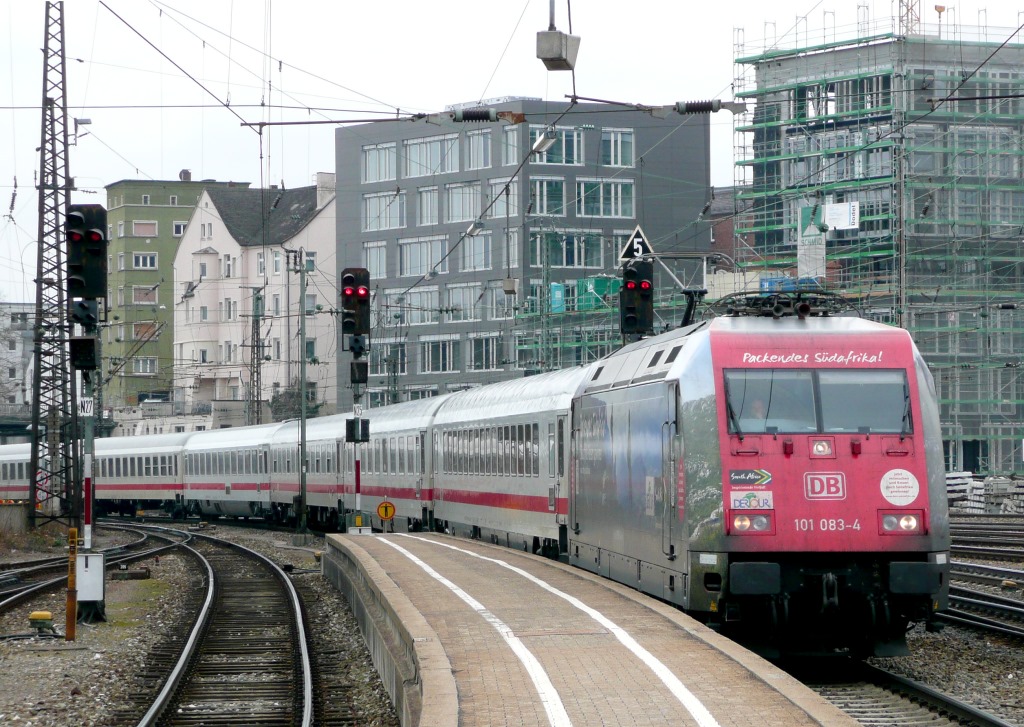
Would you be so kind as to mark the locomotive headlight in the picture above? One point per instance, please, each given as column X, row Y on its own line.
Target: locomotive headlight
column 741, row 522
column 821, row 448
column 896, row 522
column 760, row 522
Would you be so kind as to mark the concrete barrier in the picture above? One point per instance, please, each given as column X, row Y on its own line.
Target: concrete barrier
column 405, row 650
column 14, row 518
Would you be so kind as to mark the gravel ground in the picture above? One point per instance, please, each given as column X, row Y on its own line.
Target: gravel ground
column 49, row 682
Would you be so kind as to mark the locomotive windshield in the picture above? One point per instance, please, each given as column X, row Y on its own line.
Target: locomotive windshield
column 817, row 401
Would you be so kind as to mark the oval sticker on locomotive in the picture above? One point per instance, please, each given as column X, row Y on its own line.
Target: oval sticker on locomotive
column 900, row 487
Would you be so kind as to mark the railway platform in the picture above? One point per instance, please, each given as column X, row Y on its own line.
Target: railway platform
column 467, row 633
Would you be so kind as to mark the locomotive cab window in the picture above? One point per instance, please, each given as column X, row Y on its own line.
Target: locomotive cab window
column 865, row 401
column 770, row 400
column 760, row 401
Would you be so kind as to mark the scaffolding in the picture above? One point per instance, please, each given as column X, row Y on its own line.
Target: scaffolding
column 923, row 127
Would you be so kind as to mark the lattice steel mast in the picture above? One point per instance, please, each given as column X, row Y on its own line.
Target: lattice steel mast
column 53, row 484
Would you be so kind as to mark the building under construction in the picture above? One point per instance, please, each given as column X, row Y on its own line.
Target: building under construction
column 887, row 160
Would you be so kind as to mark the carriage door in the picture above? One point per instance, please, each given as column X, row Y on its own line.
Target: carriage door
column 669, row 460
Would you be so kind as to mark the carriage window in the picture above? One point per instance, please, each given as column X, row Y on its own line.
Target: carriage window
column 117, row 467
column 528, row 450
column 535, row 451
column 864, row 401
column 770, row 400
column 561, row 447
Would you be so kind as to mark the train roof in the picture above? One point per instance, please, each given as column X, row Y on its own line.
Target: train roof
column 142, row 444
column 408, row 415
column 232, row 437
column 543, row 392
column 810, row 326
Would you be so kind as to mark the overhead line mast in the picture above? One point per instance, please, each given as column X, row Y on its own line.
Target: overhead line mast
column 54, row 479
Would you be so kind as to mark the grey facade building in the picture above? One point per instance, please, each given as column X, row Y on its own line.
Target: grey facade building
column 488, row 261
column 922, row 127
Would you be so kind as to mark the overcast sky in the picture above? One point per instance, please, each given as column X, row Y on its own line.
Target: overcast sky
column 153, row 77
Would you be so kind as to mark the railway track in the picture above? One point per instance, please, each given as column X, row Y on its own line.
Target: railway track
column 30, row 578
column 246, row 661
column 874, row 696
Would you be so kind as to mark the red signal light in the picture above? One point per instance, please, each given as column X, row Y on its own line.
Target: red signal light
column 75, row 236
column 645, row 285
column 362, row 291
column 630, row 284
column 348, row 291
column 95, row 236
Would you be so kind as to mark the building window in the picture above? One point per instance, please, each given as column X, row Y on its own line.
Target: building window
column 616, row 147
column 310, row 304
column 478, row 149
column 379, row 162
column 387, row 358
column 511, row 244
column 204, row 356
column 412, row 307
column 120, row 261
column 426, row 206
column 567, row 149
column 277, row 349
column 120, row 228
column 476, row 252
column 144, row 260
column 484, row 353
column 439, row 356
column 204, row 313
column 548, row 196
column 261, row 263
column 144, row 365
column 383, row 211
column 277, row 304
column 463, row 201
column 143, row 294
column 12, row 373
column 144, row 228
column 505, row 196
column 227, row 266
column 500, row 304
column 604, row 198
column 178, row 228
column 173, row 201
column 143, row 331
column 510, row 146
column 226, row 352
column 566, row 250
column 277, row 263
column 310, row 349
column 418, row 256
column 463, row 302
column 310, row 259
column 431, row 155
column 375, row 259
column 145, row 199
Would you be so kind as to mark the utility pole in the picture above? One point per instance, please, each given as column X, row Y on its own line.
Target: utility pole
column 254, row 400
column 297, row 264
column 53, row 464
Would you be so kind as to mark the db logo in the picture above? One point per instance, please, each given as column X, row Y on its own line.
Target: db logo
column 825, row 486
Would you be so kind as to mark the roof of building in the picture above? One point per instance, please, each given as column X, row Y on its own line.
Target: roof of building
column 241, row 210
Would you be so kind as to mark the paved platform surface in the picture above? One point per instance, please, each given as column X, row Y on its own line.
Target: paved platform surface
column 534, row 642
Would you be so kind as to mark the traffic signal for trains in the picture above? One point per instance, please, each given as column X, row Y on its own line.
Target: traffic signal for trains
column 82, row 352
column 636, row 298
column 355, row 301
column 357, row 430
column 86, row 313
column 86, row 227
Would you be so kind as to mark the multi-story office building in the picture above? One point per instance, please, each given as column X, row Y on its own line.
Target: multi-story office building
column 489, row 260
column 146, row 220
column 919, row 129
column 245, row 331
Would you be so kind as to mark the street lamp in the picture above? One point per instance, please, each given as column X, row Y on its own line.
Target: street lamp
column 545, row 141
column 81, row 122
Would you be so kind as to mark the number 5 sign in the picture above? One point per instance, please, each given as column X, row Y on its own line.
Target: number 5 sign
column 636, row 246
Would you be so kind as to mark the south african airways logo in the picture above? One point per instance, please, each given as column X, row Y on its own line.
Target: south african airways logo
column 750, row 478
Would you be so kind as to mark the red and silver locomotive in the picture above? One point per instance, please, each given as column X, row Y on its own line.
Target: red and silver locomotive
column 776, row 471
